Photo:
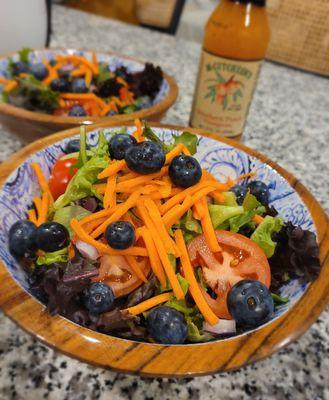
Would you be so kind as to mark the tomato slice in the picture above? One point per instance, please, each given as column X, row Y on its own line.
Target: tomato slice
column 240, row 259
column 61, row 175
column 116, row 272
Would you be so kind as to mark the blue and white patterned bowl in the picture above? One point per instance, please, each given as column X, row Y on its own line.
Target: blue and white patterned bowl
column 164, row 99
column 219, row 158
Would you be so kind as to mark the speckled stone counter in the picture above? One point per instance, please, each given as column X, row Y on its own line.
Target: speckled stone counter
column 288, row 121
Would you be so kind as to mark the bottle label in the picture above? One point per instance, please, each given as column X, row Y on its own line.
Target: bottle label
column 223, row 94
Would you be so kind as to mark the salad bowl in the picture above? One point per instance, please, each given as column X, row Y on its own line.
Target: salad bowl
column 33, row 124
column 223, row 158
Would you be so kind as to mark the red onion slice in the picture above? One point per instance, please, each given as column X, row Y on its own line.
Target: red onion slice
column 87, row 250
column 223, row 327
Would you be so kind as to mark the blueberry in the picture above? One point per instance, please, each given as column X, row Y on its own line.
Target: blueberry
column 52, row 236
column 185, row 171
column 240, row 193
column 52, row 62
column 77, row 111
column 166, row 325
column 120, row 235
column 260, row 191
column 79, row 86
column 250, row 303
column 145, row 157
column 22, row 238
column 38, row 70
column 98, row 298
column 119, row 144
column 19, row 68
column 60, row 85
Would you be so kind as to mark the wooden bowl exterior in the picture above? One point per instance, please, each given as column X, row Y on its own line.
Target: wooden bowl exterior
column 149, row 359
column 31, row 125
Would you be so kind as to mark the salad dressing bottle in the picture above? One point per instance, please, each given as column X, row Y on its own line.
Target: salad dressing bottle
column 235, row 43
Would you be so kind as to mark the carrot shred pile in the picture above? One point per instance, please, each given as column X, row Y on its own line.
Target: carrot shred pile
column 154, row 206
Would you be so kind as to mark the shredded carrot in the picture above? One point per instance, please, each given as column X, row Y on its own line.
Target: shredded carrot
column 178, row 198
column 161, row 252
column 32, row 216
column 88, row 77
column 199, row 209
column 92, row 225
column 79, row 60
column 126, row 95
column 42, row 180
column 101, row 247
column 217, row 196
column 110, row 195
column 71, row 252
column 138, row 133
column 258, row 219
column 112, row 169
column 247, row 175
column 81, row 71
column 84, row 97
column 62, row 103
column 157, row 220
column 4, row 81
column 195, row 213
column 38, row 204
column 140, row 180
column 136, row 268
column 126, row 177
column 23, row 75
column 208, row 229
column 154, row 257
column 150, row 303
column 97, row 215
column 174, row 215
column 186, row 151
column 42, row 216
column 121, row 81
column 111, row 106
column 10, row 86
column 173, row 153
column 118, row 213
column 95, row 62
column 194, row 287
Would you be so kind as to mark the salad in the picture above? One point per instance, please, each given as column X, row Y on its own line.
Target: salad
column 133, row 238
column 72, row 85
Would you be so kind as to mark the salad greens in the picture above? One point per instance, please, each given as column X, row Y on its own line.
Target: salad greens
column 263, row 235
column 81, row 185
column 65, row 214
column 60, row 256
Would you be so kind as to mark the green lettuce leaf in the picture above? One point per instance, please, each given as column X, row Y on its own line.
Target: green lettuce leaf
column 250, row 202
column 183, row 283
column 264, row 232
column 65, row 214
column 83, row 156
column 188, row 139
column 60, row 256
column 103, row 73
column 220, row 213
column 194, row 333
column 43, row 97
column 24, row 55
column 279, row 300
column 230, row 199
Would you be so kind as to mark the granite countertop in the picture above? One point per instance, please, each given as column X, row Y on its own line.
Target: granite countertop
column 289, row 122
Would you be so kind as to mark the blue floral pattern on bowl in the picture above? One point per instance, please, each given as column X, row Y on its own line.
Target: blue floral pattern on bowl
column 219, row 158
column 114, row 61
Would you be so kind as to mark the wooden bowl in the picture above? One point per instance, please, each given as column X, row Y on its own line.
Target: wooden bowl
column 32, row 124
column 149, row 359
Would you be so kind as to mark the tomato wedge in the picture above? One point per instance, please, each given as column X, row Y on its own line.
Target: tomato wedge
column 61, row 175
column 116, row 272
column 240, row 259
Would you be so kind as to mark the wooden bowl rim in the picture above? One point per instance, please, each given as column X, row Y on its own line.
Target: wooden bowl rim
column 36, row 116
column 148, row 359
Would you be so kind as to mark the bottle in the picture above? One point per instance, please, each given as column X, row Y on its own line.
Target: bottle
column 235, row 43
